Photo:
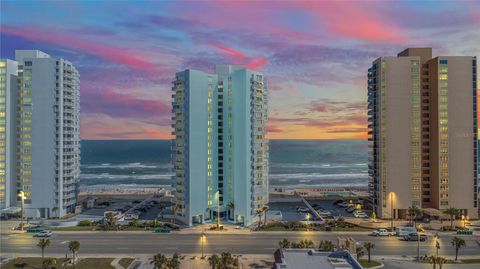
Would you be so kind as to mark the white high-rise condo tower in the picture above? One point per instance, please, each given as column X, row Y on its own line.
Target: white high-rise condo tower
column 220, row 150
column 47, row 133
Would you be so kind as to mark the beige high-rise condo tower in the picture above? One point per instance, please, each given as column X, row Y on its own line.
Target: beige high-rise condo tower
column 422, row 119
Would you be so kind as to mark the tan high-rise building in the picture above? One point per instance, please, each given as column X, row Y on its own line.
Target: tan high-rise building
column 422, row 114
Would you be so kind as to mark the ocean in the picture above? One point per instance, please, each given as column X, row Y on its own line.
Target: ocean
column 293, row 163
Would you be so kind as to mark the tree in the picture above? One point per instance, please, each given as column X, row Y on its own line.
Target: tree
column 360, row 252
column 174, row 261
column 413, row 213
column 214, row 261
column 159, row 261
column 326, row 245
column 452, row 212
column 259, row 213
column 369, row 246
column 154, row 223
column 307, row 243
column 110, row 220
column 230, row 207
column 43, row 244
column 48, row 263
column 74, row 246
column 174, row 211
column 437, row 260
column 265, row 209
column 285, row 243
column 458, row 243
column 134, row 223
column 227, row 261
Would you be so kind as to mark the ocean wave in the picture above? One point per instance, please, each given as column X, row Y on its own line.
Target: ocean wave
column 318, row 176
column 109, row 176
column 123, row 186
column 126, row 166
column 359, row 185
column 315, row 165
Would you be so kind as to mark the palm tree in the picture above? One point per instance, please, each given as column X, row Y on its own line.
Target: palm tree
column 74, row 246
column 307, row 243
column 368, row 246
column 452, row 212
column 259, row 213
column 326, row 245
column 43, row 244
column 441, row 261
column 265, row 210
column 360, row 252
column 110, row 220
column 159, row 261
column 154, row 222
column 48, row 263
column 227, row 261
column 230, row 207
column 173, row 262
column 437, row 260
column 174, row 211
column 214, row 261
column 458, row 243
column 413, row 213
column 285, row 243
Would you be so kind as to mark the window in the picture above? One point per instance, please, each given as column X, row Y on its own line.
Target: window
column 443, row 62
column 29, row 63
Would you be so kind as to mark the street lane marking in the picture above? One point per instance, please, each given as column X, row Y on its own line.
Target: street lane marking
column 64, row 242
column 122, row 248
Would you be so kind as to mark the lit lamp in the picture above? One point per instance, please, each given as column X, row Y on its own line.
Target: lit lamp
column 463, row 220
column 307, row 217
column 21, row 194
column 391, row 210
column 437, row 243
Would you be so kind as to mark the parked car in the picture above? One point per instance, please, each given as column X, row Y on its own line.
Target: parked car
column 162, row 230
column 360, row 214
column 415, row 237
column 350, row 210
column 303, row 209
column 343, row 204
column 130, row 216
column 381, row 232
column 405, row 230
column 46, row 233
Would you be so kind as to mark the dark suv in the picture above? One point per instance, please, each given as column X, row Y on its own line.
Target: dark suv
column 414, row 237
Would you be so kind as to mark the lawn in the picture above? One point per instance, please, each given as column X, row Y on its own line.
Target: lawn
column 87, row 263
column 98, row 263
column 370, row 264
column 125, row 262
column 470, row 261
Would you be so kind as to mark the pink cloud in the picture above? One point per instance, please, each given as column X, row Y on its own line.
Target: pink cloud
column 114, row 54
column 238, row 57
column 353, row 20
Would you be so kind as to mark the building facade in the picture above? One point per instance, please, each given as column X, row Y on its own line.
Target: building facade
column 47, row 133
column 8, row 99
column 422, row 136
column 220, row 150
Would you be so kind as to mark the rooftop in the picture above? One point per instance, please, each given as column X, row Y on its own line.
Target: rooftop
column 312, row 259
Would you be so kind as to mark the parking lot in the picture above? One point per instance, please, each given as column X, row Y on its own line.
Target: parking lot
column 146, row 208
column 298, row 211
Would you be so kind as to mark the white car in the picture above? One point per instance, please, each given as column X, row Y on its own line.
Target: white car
column 360, row 214
column 43, row 234
column 381, row 232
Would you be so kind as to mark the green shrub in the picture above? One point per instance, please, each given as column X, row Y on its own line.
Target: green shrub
column 84, row 223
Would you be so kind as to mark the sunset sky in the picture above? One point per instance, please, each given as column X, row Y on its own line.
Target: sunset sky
column 314, row 53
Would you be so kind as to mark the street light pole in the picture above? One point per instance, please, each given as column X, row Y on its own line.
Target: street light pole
column 202, row 239
column 418, row 242
column 22, row 198
column 391, row 211
column 437, row 244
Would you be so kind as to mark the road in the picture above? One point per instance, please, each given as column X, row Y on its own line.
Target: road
column 116, row 243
